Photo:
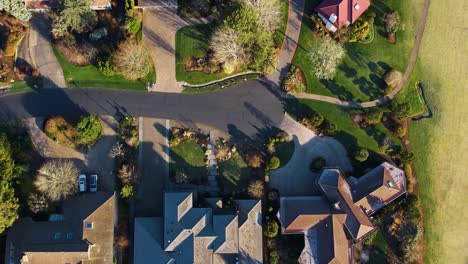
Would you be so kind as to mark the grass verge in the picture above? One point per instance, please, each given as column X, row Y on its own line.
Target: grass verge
column 188, row 156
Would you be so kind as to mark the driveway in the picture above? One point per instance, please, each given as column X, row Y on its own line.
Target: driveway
column 42, row 55
column 94, row 160
column 295, row 178
column 153, row 166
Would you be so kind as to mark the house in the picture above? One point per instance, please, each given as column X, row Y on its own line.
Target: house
column 46, row 5
column 82, row 233
column 338, row 13
column 186, row 234
column 333, row 222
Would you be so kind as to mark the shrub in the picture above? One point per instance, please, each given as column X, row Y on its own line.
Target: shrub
column 254, row 160
column 57, row 179
column 392, row 78
column 274, row 163
column 132, row 61
column 402, row 111
column 328, row 128
column 271, row 229
column 392, row 22
column 37, row 203
column 73, row 16
column 274, row 257
column 98, row 34
column 128, row 175
column 317, row 164
column 256, row 189
column 361, row 155
column 313, row 120
column 105, row 67
column 132, row 25
column 89, row 130
column 406, row 157
column 401, row 130
column 181, row 177
column 9, row 206
column 127, row 191
column 325, row 59
column 374, row 115
column 17, row 8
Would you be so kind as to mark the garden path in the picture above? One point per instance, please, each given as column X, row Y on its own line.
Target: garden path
column 295, row 178
column 42, row 56
column 391, row 95
column 159, row 30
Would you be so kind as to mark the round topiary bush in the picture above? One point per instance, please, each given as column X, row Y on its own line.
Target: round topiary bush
column 361, row 155
column 274, row 163
column 271, row 229
column 274, row 257
column 317, row 164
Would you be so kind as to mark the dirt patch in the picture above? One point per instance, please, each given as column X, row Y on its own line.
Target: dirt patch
column 79, row 54
column 391, row 38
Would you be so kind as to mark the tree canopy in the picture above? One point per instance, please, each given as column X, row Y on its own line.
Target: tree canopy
column 325, row 58
column 17, row 8
column 133, row 61
column 73, row 16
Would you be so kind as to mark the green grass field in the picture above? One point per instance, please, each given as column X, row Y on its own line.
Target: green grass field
column 359, row 75
column 284, row 151
column 90, row 77
column 188, row 156
column 440, row 143
column 234, row 173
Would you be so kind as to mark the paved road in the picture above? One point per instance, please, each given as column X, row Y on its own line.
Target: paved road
column 248, row 109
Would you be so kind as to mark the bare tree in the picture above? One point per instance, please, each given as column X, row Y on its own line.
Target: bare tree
column 268, row 12
column 37, row 203
column 57, row 179
column 128, row 174
column 227, row 47
column 256, row 189
column 117, row 151
column 133, row 61
column 325, row 58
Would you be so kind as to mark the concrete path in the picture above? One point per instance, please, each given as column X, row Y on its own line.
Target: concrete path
column 94, row 160
column 153, row 166
column 159, row 30
column 41, row 53
column 295, row 178
column 392, row 94
column 293, row 31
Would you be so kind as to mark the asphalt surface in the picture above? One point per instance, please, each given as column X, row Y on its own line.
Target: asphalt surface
column 249, row 109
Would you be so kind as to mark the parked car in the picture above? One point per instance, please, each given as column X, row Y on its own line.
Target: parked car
column 93, row 183
column 82, row 182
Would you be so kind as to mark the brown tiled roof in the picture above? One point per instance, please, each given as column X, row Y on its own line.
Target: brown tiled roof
column 40, row 4
column 301, row 213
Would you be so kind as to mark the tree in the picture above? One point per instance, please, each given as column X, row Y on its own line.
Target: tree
column 274, row 163
column 57, row 179
column 361, row 155
column 254, row 160
column 406, row 157
column 89, row 130
column 392, row 78
column 325, row 58
column 271, row 229
column 16, row 8
column 256, row 189
column 315, row 119
column 374, row 115
column 9, row 206
column 402, row 111
column 401, row 130
column 227, row 47
column 392, row 22
column 133, row 61
column 128, row 175
column 328, row 128
column 7, row 163
column 127, row 191
column 118, row 151
column 268, row 12
column 37, row 203
column 73, row 16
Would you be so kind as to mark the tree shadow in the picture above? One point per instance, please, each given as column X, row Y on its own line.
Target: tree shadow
column 338, row 90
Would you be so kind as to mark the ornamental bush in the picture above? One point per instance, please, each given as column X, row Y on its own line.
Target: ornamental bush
column 16, row 8
column 361, row 155
column 328, row 128
column 105, row 66
column 127, row 191
column 271, row 229
column 274, row 163
column 392, row 22
column 89, row 130
column 325, row 58
column 374, row 115
column 133, row 25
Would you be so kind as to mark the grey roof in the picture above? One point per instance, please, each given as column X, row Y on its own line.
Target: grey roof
column 196, row 235
column 39, row 240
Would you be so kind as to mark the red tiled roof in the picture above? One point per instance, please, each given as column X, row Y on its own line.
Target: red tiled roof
column 345, row 10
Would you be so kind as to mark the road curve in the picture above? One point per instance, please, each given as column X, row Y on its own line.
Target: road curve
column 250, row 108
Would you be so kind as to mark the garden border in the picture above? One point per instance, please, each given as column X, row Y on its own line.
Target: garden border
column 222, row 82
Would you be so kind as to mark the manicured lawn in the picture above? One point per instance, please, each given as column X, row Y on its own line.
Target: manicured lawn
column 358, row 77
column 189, row 157
column 284, row 151
column 234, row 173
column 24, row 86
column 278, row 37
column 90, row 77
column 440, row 143
column 351, row 136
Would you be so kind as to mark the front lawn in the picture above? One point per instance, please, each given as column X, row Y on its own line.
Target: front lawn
column 284, row 151
column 90, row 77
column 234, row 173
column 350, row 135
column 359, row 75
column 378, row 249
column 188, row 157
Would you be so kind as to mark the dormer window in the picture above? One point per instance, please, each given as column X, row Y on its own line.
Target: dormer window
column 390, row 184
column 357, row 7
column 333, row 18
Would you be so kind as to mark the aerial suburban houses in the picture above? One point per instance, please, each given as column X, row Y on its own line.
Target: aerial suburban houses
column 232, row 132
